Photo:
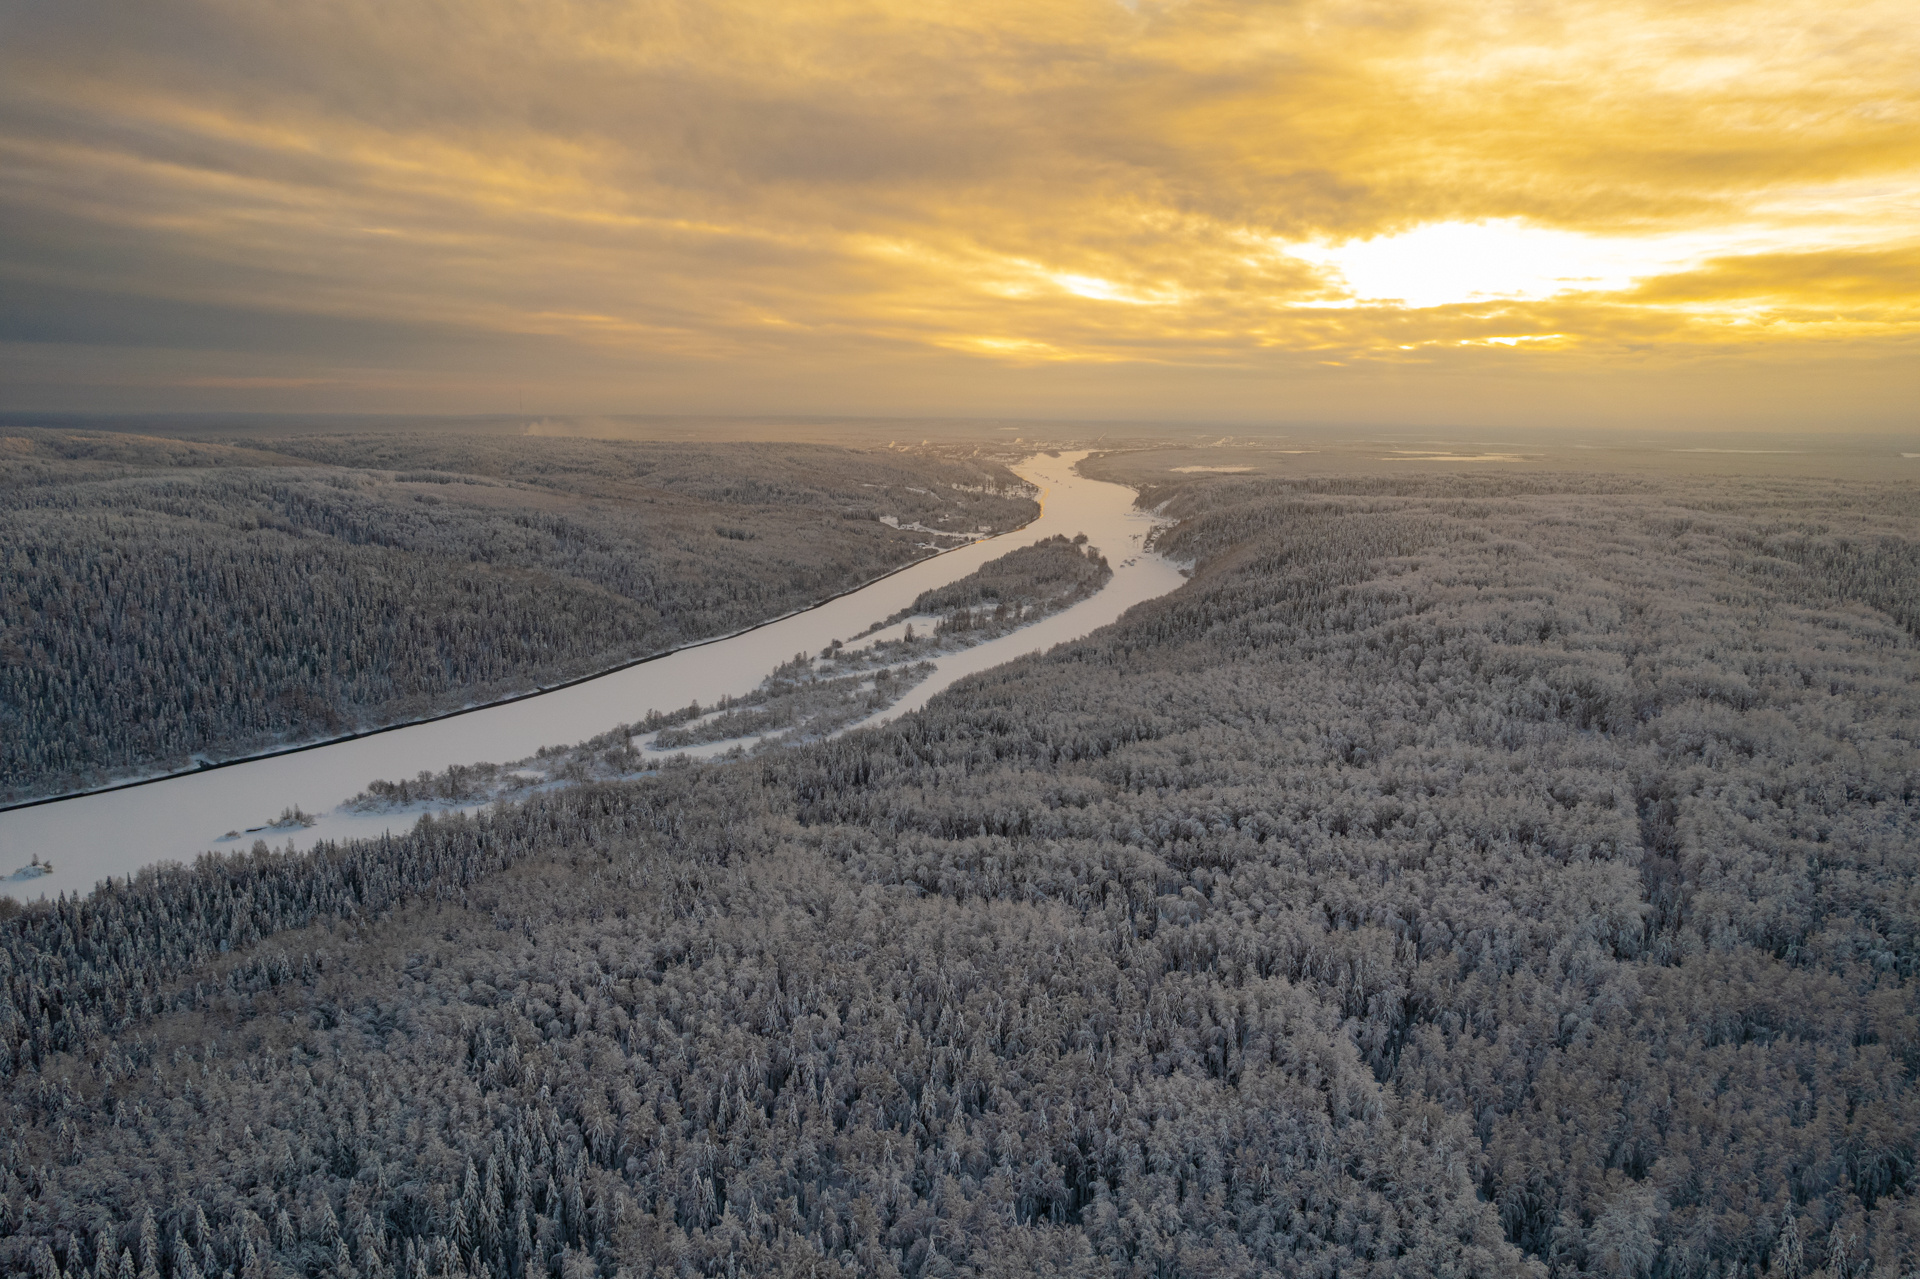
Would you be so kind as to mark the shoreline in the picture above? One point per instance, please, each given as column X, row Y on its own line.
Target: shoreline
column 114, row 831
column 497, row 702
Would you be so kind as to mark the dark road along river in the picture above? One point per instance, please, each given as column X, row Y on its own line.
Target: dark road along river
column 117, row 832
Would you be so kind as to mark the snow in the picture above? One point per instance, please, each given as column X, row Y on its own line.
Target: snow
column 118, row 832
column 922, row 624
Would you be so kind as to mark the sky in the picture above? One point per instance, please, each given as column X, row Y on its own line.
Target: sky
column 1613, row 213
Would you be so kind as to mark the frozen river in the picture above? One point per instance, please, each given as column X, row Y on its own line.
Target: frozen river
column 117, row 832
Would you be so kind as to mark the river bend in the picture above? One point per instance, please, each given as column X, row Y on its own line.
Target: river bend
column 89, row 837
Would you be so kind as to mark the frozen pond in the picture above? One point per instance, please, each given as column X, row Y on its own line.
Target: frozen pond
column 117, row 832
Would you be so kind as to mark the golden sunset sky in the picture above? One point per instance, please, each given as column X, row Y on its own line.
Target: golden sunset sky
column 1676, row 213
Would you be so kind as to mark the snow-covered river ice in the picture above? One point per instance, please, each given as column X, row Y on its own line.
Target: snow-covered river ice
column 117, row 832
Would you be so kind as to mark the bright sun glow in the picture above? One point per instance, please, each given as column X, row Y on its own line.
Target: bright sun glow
column 705, row 200
column 1444, row 263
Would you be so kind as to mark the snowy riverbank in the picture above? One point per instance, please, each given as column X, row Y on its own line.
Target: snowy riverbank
column 118, row 832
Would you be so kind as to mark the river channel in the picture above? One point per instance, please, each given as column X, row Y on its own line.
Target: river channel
column 90, row 837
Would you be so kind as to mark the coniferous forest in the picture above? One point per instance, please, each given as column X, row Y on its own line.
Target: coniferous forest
column 1458, row 876
column 162, row 599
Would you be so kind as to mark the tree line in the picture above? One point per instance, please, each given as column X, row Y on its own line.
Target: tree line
column 1520, row 883
column 162, row 599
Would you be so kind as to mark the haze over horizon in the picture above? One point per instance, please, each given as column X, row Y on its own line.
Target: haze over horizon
column 1583, row 214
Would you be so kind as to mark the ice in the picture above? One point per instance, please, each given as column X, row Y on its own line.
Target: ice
column 90, row 837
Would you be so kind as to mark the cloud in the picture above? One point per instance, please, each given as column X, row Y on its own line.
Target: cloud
column 610, row 198
column 1845, row 277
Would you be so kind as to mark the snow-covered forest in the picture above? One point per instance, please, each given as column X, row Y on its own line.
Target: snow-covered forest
column 1456, row 877
column 1047, row 574
column 161, row 599
column 804, row 699
column 810, row 698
